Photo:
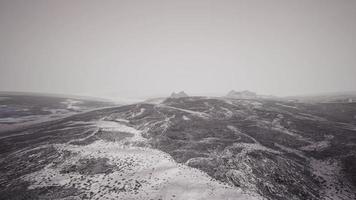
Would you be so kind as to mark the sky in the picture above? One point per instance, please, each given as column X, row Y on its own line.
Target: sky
column 134, row 49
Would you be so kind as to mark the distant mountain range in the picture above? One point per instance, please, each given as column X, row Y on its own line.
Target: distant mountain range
column 242, row 94
column 336, row 97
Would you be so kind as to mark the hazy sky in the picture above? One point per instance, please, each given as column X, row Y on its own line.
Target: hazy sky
column 143, row 48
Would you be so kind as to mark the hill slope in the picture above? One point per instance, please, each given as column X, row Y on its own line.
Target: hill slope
column 241, row 149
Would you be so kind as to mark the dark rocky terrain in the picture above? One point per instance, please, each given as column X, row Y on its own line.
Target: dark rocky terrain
column 186, row 148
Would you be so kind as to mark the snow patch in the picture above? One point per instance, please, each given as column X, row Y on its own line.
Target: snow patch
column 195, row 113
column 250, row 147
column 185, row 118
column 287, row 106
column 228, row 113
column 122, row 120
column 142, row 110
column 317, row 146
column 72, row 104
column 290, row 150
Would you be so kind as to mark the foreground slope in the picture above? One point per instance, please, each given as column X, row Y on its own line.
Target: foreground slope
column 186, row 148
column 100, row 154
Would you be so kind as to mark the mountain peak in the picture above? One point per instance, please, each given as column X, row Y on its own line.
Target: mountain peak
column 178, row 95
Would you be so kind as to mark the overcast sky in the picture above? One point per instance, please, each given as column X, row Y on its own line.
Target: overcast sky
column 147, row 48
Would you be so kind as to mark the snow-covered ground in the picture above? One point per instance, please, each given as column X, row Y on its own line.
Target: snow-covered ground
column 140, row 172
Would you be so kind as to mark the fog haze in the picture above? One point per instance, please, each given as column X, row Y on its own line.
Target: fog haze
column 134, row 49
